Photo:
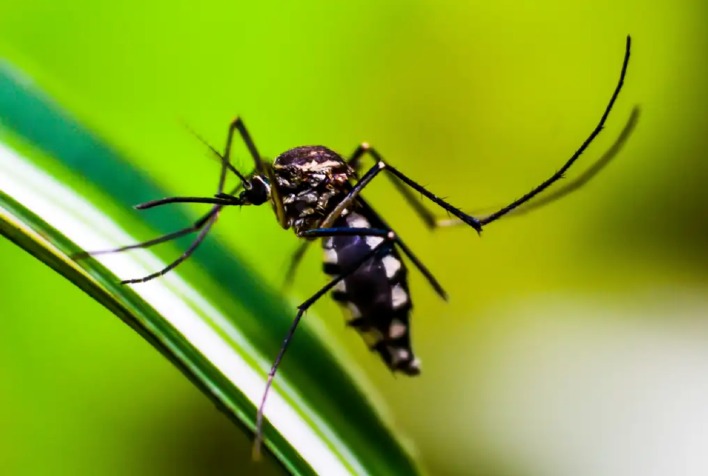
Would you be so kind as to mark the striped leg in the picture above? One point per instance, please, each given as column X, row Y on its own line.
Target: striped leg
column 381, row 165
column 520, row 205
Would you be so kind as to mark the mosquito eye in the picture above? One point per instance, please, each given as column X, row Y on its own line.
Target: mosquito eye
column 258, row 193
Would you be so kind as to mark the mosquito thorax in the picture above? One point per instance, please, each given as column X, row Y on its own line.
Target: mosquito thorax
column 311, row 181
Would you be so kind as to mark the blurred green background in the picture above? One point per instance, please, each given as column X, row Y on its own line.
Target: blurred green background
column 576, row 338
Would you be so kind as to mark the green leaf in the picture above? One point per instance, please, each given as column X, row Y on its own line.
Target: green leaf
column 221, row 328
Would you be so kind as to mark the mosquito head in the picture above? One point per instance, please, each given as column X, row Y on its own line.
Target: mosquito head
column 257, row 192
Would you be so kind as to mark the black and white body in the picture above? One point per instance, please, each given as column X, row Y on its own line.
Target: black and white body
column 312, row 180
column 375, row 296
column 317, row 193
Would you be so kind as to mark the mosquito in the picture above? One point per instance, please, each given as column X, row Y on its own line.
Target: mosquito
column 317, row 193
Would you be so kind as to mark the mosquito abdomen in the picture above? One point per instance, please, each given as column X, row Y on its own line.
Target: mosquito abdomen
column 375, row 297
